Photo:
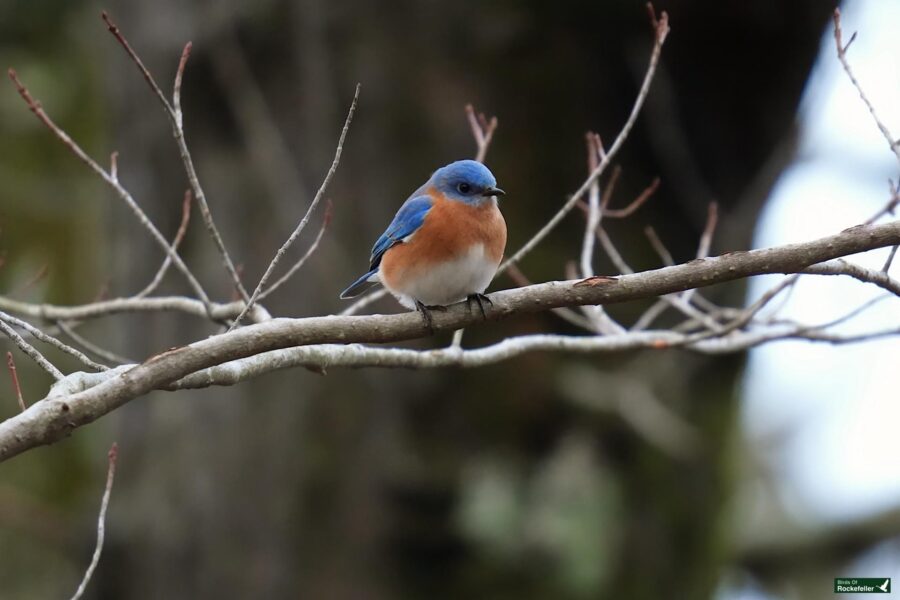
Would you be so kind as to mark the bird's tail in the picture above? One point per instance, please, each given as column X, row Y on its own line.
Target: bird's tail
column 362, row 284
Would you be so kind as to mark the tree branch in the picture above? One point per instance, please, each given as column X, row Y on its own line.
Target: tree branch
column 312, row 207
column 63, row 410
column 103, row 308
column 112, row 455
column 175, row 118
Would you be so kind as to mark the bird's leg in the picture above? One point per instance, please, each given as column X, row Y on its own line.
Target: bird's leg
column 426, row 314
column 479, row 299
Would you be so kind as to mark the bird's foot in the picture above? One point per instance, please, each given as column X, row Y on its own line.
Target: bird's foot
column 479, row 299
column 426, row 313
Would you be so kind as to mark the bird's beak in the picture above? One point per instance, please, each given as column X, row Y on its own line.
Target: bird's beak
column 493, row 191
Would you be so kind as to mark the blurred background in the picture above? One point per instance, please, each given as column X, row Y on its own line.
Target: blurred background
column 637, row 475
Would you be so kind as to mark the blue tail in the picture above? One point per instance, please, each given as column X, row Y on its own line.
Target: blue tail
column 360, row 285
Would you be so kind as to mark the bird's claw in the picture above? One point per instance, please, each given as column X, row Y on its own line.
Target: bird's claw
column 426, row 314
column 479, row 299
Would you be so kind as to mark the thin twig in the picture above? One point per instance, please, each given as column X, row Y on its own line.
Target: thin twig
column 312, row 207
column 482, row 130
column 456, row 342
column 751, row 311
column 659, row 246
column 179, row 235
column 176, row 88
column 101, row 521
column 662, row 30
column 326, row 220
column 114, row 30
column 650, row 315
column 893, row 143
column 602, row 322
column 621, row 213
column 52, row 341
column 11, row 364
column 712, row 218
column 90, row 346
column 842, row 267
column 53, row 312
column 30, row 351
column 594, row 213
column 887, row 209
column 889, row 261
column 176, row 119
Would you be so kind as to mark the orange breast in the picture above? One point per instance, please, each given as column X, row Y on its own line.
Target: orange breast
column 449, row 230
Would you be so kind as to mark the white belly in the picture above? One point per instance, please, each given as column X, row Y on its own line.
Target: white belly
column 448, row 282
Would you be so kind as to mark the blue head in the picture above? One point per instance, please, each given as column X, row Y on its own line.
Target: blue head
column 466, row 181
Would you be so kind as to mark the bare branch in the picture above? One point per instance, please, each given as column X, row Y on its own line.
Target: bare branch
column 594, row 213
column 49, row 339
column 90, row 346
column 323, row 356
column 621, row 213
column 30, row 351
column 176, row 88
column 326, row 221
column 842, row 267
column 712, row 217
column 179, row 235
column 650, row 315
column 175, row 117
column 659, row 246
column 662, row 30
column 63, row 411
column 482, row 130
column 890, row 259
column 302, row 225
column 893, row 143
column 101, row 521
column 601, row 322
column 104, row 308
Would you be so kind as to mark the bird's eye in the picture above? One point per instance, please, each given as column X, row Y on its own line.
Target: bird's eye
column 464, row 188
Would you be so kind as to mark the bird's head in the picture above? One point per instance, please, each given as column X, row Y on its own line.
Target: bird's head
column 466, row 181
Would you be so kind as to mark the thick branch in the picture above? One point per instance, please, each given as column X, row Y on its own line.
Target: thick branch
column 52, row 419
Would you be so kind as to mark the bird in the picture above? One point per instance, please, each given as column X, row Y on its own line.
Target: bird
column 444, row 245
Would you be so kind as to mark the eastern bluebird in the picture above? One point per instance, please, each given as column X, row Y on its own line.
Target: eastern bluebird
column 444, row 244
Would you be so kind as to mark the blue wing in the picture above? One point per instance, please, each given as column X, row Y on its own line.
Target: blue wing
column 406, row 222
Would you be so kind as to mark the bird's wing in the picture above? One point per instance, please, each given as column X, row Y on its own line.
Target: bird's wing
column 406, row 222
